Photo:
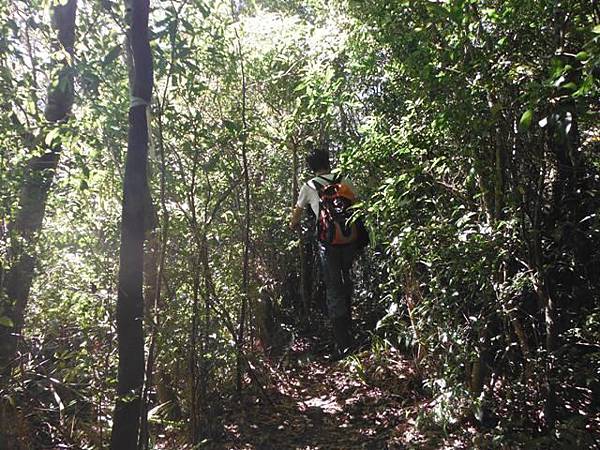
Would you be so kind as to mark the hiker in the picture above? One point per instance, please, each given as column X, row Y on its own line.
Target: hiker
column 336, row 242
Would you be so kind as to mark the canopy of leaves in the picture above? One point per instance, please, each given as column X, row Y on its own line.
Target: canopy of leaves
column 471, row 130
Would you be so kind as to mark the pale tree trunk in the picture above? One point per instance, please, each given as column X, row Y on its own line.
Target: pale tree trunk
column 14, row 291
column 39, row 174
column 135, row 198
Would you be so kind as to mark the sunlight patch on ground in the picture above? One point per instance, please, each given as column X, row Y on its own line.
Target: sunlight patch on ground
column 327, row 404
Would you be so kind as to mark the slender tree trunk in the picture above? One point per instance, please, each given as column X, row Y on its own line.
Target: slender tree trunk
column 494, row 192
column 154, row 275
column 195, row 381
column 305, row 285
column 14, row 294
column 246, row 237
column 413, row 299
column 135, row 191
column 152, row 317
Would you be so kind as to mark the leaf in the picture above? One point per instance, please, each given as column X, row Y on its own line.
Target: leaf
column 586, row 87
column 596, row 29
column 231, row 125
column 204, row 9
column 301, row 86
column 159, row 411
column 51, row 136
column 187, row 25
column 582, row 56
column 526, row 119
column 112, row 55
column 585, row 219
column 6, row 322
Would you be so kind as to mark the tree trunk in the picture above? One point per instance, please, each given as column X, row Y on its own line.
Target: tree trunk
column 39, row 174
column 153, row 275
column 246, row 236
column 14, row 292
column 152, row 317
column 305, row 272
column 130, row 299
column 195, row 377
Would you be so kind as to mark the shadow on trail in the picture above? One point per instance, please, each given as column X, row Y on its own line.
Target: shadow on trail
column 319, row 404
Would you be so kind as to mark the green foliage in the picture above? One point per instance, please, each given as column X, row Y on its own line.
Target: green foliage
column 459, row 199
column 470, row 128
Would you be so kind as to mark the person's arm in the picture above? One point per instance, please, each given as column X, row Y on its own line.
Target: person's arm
column 299, row 208
column 296, row 216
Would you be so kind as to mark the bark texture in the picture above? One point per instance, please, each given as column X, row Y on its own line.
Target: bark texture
column 130, row 302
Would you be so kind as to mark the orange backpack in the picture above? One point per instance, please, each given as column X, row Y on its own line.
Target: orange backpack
column 333, row 222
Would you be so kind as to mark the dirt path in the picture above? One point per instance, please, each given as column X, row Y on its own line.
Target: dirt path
column 318, row 404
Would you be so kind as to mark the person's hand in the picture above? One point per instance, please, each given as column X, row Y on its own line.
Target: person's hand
column 295, row 218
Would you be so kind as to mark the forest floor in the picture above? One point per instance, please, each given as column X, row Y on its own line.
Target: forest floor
column 371, row 400
column 316, row 403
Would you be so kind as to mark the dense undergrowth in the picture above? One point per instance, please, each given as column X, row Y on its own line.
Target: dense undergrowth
column 471, row 131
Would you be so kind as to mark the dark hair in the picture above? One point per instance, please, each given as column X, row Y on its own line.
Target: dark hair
column 318, row 159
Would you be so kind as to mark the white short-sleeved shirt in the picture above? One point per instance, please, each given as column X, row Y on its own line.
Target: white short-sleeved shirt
column 309, row 196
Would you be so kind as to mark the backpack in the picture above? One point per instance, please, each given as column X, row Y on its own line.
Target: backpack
column 333, row 222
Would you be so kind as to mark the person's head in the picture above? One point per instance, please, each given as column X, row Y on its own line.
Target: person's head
column 318, row 160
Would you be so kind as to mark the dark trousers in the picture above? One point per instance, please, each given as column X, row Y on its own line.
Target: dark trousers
column 336, row 262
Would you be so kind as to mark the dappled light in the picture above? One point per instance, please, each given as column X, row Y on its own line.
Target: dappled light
column 285, row 224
